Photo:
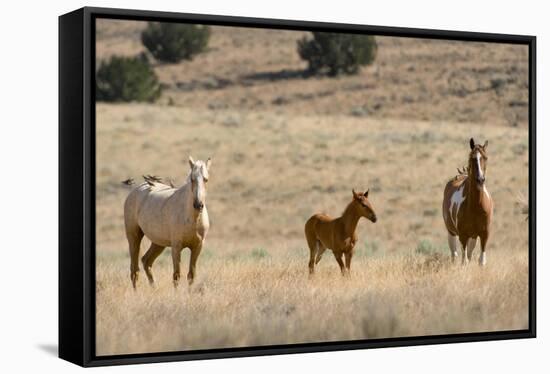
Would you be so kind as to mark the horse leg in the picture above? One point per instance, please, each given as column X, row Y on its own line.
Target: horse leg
column 195, row 252
column 464, row 243
column 482, row 257
column 176, row 258
column 471, row 247
column 338, row 257
column 451, row 239
column 348, row 255
column 148, row 258
column 134, row 237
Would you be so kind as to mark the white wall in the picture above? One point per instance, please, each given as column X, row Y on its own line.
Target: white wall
column 28, row 182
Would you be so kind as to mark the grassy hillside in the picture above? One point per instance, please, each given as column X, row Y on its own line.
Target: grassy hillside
column 270, row 172
column 283, row 148
column 411, row 79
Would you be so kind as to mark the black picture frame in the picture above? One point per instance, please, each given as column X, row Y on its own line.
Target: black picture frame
column 77, row 186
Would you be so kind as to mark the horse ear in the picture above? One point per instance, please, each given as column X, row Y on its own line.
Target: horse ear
column 486, row 144
column 191, row 162
column 354, row 193
column 366, row 194
column 472, row 143
column 208, row 163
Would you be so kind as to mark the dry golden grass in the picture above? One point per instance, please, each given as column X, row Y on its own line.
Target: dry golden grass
column 247, row 301
column 274, row 165
column 270, row 173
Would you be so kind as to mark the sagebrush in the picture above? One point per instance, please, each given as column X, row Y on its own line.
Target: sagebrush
column 172, row 42
column 334, row 54
column 125, row 79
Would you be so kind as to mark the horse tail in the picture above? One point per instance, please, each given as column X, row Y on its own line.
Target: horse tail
column 311, row 237
column 320, row 250
column 312, row 242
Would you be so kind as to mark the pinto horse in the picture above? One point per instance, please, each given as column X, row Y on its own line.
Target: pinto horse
column 468, row 206
column 338, row 234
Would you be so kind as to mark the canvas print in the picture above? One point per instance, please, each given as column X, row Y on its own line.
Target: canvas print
column 259, row 187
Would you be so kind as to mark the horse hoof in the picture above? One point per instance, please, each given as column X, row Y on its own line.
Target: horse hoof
column 134, row 279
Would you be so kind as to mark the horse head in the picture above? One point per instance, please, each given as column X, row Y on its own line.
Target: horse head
column 477, row 162
column 363, row 205
column 199, row 179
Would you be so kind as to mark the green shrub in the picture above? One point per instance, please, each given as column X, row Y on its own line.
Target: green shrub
column 173, row 42
column 127, row 79
column 334, row 54
column 259, row 253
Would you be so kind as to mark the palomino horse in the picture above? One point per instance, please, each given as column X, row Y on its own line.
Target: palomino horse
column 169, row 217
column 468, row 206
column 337, row 234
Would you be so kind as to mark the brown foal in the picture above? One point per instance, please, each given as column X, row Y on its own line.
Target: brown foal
column 338, row 234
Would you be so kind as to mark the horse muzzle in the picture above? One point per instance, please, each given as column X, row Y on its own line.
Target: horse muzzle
column 373, row 219
column 480, row 180
column 198, row 205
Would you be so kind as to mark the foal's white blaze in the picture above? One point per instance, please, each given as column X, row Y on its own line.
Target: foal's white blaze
column 456, row 200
